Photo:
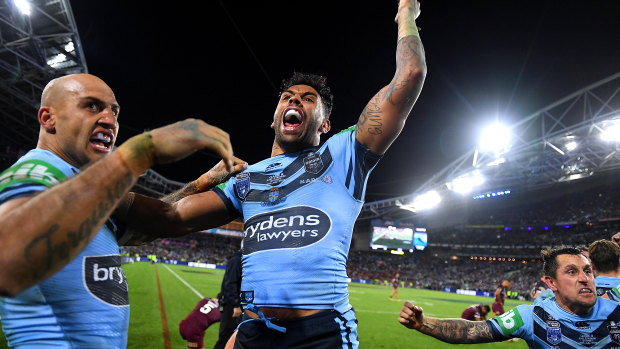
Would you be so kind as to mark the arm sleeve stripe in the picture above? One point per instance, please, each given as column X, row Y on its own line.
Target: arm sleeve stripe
column 497, row 334
column 232, row 211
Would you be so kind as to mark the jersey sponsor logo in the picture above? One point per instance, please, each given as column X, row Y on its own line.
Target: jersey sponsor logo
column 273, row 166
column 614, row 332
column 510, row 322
column 276, row 179
column 31, row 171
column 326, row 180
column 293, row 227
column 313, row 163
column 554, row 332
column 104, row 278
column 582, row 324
column 242, row 186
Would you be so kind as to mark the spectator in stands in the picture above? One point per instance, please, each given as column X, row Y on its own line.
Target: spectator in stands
column 616, row 238
column 229, row 299
column 193, row 327
column 559, row 320
column 500, row 297
column 60, row 253
column 476, row 312
column 605, row 257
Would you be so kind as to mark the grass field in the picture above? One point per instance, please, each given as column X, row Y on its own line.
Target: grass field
column 182, row 287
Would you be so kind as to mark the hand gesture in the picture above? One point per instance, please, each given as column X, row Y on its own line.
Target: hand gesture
column 411, row 316
column 219, row 174
column 179, row 140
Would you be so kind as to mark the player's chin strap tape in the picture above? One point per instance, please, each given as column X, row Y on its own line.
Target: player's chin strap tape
column 253, row 308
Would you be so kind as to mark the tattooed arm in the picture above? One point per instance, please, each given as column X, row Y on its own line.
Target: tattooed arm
column 455, row 331
column 385, row 115
column 42, row 233
column 147, row 219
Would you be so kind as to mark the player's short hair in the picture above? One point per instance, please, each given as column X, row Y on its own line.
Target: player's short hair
column 486, row 307
column 550, row 261
column 605, row 255
column 317, row 82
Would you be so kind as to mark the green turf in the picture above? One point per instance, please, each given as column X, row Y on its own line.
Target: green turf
column 377, row 315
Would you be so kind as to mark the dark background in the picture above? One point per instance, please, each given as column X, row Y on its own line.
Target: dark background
column 223, row 61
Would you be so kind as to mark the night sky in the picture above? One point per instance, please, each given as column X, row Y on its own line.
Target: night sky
column 223, row 61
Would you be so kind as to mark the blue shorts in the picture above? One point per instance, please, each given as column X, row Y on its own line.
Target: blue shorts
column 327, row 329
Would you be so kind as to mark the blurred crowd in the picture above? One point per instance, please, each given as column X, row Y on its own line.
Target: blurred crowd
column 496, row 242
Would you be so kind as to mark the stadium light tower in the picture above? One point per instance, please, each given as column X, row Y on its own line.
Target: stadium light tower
column 23, row 6
column 427, row 200
column 466, row 183
column 611, row 132
column 495, row 139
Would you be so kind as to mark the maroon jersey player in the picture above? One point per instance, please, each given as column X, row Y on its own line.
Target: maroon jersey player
column 193, row 327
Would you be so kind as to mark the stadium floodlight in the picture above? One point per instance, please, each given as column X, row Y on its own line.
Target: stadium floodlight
column 57, row 60
column 466, row 183
column 427, row 200
column 611, row 133
column 570, row 146
column 23, row 6
column 495, row 139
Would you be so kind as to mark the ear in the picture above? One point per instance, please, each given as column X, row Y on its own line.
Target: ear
column 550, row 283
column 273, row 124
column 325, row 126
column 47, row 119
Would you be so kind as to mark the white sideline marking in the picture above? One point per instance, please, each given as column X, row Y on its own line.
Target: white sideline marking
column 384, row 312
column 185, row 282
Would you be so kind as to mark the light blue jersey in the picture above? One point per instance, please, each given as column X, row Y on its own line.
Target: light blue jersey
column 548, row 326
column 85, row 304
column 299, row 210
column 605, row 284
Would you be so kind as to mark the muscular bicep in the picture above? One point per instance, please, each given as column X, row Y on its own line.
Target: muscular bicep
column 203, row 211
column 384, row 116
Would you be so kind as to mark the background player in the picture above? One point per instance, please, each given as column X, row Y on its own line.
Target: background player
column 556, row 322
column 476, row 312
column 193, row 327
column 395, row 284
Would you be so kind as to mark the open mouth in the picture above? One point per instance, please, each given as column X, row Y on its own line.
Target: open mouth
column 585, row 291
column 293, row 118
column 102, row 140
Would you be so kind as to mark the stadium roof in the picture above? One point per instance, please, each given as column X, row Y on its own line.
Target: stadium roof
column 559, row 143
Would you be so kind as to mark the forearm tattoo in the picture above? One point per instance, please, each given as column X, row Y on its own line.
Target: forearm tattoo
column 187, row 190
column 457, row 331
column 56, row 248
column 402, row 90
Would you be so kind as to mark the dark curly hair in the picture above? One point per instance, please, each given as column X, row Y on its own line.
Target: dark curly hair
column 550, row 262
column 317, row 82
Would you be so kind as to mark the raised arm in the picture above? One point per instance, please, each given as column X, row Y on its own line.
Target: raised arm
column 42, row 233
column 385, row 115
column 455, row 331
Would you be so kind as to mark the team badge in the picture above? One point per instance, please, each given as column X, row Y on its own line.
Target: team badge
column 614, row 332
column 313, row 163
column 328, row 180
column 242, row 186
column 554, row 332
column 273, row 195
column 247, row 296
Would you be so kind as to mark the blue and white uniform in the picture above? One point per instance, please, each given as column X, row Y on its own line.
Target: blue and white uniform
column 546, row 325
column 85, row 304
column 299, row 210
column 605, row 284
